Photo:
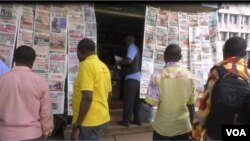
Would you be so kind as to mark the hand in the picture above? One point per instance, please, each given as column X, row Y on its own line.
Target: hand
column 75, row 134
column 46, row 134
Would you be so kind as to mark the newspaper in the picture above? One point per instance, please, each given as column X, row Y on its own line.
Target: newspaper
column 193, row 20
column 73, row 64
column 7, row 39
column 25, row 37
column 57, row 63
column 150, row 35
column 73, row 40
column 8, row 13
column 43, row 6
column 57, row 100
column 58, row 42
column 173, row 36
column 162, row 19
column 151, row 15
column 76, row 18
column 27, row 18
column 90, row 29
column 42, row 60
column 8, row 28
column 58, row 20
column 42, row 22
column 203, row 19
column 162, row 36
column 90, row 15
column 43, row 75
column 148, row 53
column 173, row 19
column 7, row 53
column 41, row 40
column 75, row 7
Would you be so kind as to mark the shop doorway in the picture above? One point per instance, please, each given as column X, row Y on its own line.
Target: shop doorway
column 111, row 30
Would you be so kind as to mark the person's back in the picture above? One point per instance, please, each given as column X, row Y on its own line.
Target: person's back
column 100, row 91
column 172, row 90
column 215, row 100
column 25, row 105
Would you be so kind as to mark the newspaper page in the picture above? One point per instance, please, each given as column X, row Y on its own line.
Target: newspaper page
column 41, row 64
column 73, row 41
column 25, row 37
column 193, row 19
column 27, row 18
column 151, row 16
column 8, row 13
column 57, row 63
column 162, row 19
column 161, row 36
column 148, row 53
column 57, row 99
column 159, row 58
column 173, row 28
column 58, row 42
column 73, row 65
column 8, row 31
column 42, row 22
column 76, row 23
column 43, row 6
column 75, row 7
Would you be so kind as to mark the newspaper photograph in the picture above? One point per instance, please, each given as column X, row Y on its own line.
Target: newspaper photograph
column 8, row 13
column 90, row 29
column 173, row 19
column 162, row 36
column 73, row 64
column 151, row 16
column 90, row 15
column 27, row 18
column 203, row 19
column 41, row 40
column 7, row 53
column 42, row 22
column 58, row 20
column 8, row 28
column 193, row 20
column 162, row 19
column 148, row 53
column 58, row 42
column 56, row 85
column 7, row 39
column 57, row 99
column 25, row 37
column 73, row 40
column 43, row 6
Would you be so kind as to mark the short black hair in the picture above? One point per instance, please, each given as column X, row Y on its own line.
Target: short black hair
column 24, row 54
column 86, row 45
column 235, row 46
column 173, row 52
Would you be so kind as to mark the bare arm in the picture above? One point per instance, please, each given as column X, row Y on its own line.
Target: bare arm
column 126, row 61
column 87, row 97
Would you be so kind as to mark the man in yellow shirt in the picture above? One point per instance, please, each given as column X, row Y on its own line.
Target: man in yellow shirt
column 172, row 89
column 92, row 93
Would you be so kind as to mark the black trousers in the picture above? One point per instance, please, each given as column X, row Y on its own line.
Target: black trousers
column 131, row 100
column 157, row 137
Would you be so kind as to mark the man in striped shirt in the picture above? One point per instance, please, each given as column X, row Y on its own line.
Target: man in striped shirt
column 233, row 52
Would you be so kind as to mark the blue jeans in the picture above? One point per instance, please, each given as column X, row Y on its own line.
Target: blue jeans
column 92, row 133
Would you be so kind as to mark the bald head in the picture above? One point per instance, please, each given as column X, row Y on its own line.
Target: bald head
column 172, row 53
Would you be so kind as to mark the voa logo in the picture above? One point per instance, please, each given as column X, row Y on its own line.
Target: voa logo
column 236, row 132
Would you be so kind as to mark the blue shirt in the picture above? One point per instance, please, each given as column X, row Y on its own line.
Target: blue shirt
column 3, row 68
column 131, row 53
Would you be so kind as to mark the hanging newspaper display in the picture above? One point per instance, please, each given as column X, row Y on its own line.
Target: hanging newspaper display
column 8, row 31
column 82, row 23
column 196, row 33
